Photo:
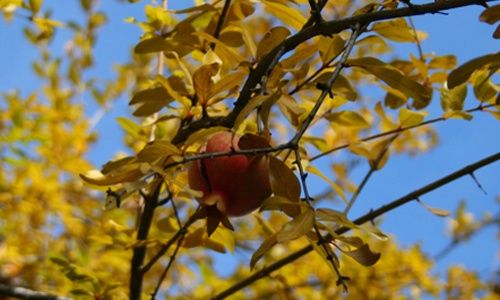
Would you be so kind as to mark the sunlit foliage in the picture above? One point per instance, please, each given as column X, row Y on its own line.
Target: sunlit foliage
column 291, row 79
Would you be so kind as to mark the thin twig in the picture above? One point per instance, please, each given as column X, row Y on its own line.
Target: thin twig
column 478, row 183
column 417, row 40
column 316, row 73
column 174, row 255
column 457, row 241
column 373, row 169
column 180, row 233
column 399, row 129
column 372, row 215
column 326, row 90
column 167, row 268
column 329, row 253
column 220, row 22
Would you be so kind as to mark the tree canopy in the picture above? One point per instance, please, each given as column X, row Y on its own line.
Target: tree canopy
column 312, row 92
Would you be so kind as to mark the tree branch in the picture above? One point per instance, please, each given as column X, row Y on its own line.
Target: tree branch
column 24, row 293
column 179, row 234
column 222, row 18
column 322, row 28
column 399, row 129
column 139, row 253
column 372, row 215
column 373, row 167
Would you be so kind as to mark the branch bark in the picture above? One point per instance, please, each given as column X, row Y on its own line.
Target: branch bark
column 372, row 215
column 139, row 253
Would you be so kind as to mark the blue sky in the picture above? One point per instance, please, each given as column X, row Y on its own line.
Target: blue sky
column 461, row 142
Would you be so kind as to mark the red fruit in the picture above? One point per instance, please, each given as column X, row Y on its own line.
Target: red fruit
column 236, row 184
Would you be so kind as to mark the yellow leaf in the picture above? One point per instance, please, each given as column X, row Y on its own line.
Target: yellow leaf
column 229, row 56
column 251, row 105
column 484, row 89
column 395, row 79
column 461, row 74
column 168, row 224
column 271, row 39
column 202, row 134
column 154, row 44
column 443, row 62
column 283, row 181
column 296, row 228
column 279, row 203
column 168, row 85
column 363, row 255
column 156, row 150
column 491, row 15
column 203, row 81
column 453, row 99
column 409, row 118
column 226, row 83
column 302, row 53
column 396, row 30
column 341, row 86
column 335, row 187
column 288, row 15
column 263, row 249
column 127, row 173
column 348, row 119
column 330, row 47
column 436, row 211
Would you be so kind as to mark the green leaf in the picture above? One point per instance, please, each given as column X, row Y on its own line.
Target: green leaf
column 296, row 228
column 461, row 74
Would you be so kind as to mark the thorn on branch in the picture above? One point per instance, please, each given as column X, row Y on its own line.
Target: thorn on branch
column 408, row 2
column 478, row 183
column 343, row 281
